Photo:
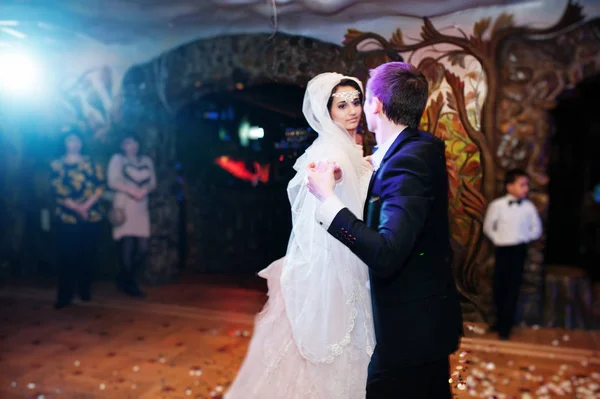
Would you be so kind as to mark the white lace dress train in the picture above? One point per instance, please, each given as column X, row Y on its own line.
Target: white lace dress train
column 275, row 369
column 314, row 338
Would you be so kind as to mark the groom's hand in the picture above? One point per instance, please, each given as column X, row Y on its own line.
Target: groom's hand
column 337, row 173
column 321, row 178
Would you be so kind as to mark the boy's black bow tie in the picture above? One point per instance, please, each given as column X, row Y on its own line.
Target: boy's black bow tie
column 517, row 201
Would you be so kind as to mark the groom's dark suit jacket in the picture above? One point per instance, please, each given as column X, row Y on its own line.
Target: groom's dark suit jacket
column 405, row 242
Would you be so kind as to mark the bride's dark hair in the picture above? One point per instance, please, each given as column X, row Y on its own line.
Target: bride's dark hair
column 344, row 82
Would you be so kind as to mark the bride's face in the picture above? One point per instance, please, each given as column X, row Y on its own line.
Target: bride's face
column 346, row 110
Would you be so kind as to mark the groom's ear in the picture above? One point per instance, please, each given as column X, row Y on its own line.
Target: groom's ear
column 378, row 108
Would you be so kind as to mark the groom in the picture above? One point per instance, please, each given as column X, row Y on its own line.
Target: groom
column 404, row 240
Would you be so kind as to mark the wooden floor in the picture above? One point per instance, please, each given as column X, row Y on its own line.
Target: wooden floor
column 188, row 339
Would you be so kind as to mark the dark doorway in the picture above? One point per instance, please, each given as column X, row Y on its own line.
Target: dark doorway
column 237, row 210
column 573, row 235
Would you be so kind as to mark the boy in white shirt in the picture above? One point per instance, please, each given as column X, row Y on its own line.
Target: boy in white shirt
column 511, row 223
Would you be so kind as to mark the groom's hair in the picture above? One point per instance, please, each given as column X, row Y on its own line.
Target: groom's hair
column 403, row 91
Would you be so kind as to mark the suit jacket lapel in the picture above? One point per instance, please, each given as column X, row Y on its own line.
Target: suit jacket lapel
column 373, row 175
column 402, row 137
column 406, row 133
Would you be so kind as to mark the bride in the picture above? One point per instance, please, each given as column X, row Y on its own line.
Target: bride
column 314, row 337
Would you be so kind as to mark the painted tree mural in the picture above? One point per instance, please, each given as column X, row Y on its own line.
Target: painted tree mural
column 463, row 110
column 89, row 103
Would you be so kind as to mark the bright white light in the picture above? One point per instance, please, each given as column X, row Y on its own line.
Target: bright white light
column 247, row 132
column 14, row 32
column 243, row 132
column 256, row 133
column 18, row 73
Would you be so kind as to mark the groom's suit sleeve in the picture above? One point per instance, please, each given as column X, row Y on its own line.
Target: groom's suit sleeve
column 406, row 197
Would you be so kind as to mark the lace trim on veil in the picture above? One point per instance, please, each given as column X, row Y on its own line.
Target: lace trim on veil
column 337, row 349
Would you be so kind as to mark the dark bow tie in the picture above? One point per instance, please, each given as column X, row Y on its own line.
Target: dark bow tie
column 517, row 201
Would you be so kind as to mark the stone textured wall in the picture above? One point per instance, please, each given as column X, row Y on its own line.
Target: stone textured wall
column 224, row 223
column 533, row 69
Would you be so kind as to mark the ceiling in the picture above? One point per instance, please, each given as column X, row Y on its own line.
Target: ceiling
column 58, row 22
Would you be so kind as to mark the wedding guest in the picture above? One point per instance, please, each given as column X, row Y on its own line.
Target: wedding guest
column 132, row 177
column 511, row 223
column 77, row 184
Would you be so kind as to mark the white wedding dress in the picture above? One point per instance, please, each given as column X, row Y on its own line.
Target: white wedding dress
column 314, row 337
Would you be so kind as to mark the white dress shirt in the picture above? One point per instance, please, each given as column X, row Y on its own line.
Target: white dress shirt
column 382, row 149
column 510, row 222
column 329, row 209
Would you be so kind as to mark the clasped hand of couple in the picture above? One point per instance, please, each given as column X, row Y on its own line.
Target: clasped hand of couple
column 321, row 178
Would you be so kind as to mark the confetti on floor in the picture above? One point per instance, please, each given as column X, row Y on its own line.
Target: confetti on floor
column 163, row 352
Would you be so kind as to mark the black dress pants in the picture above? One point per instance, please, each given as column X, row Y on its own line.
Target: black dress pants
column 77, row 245
column 508, row 276
column 425, row 381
